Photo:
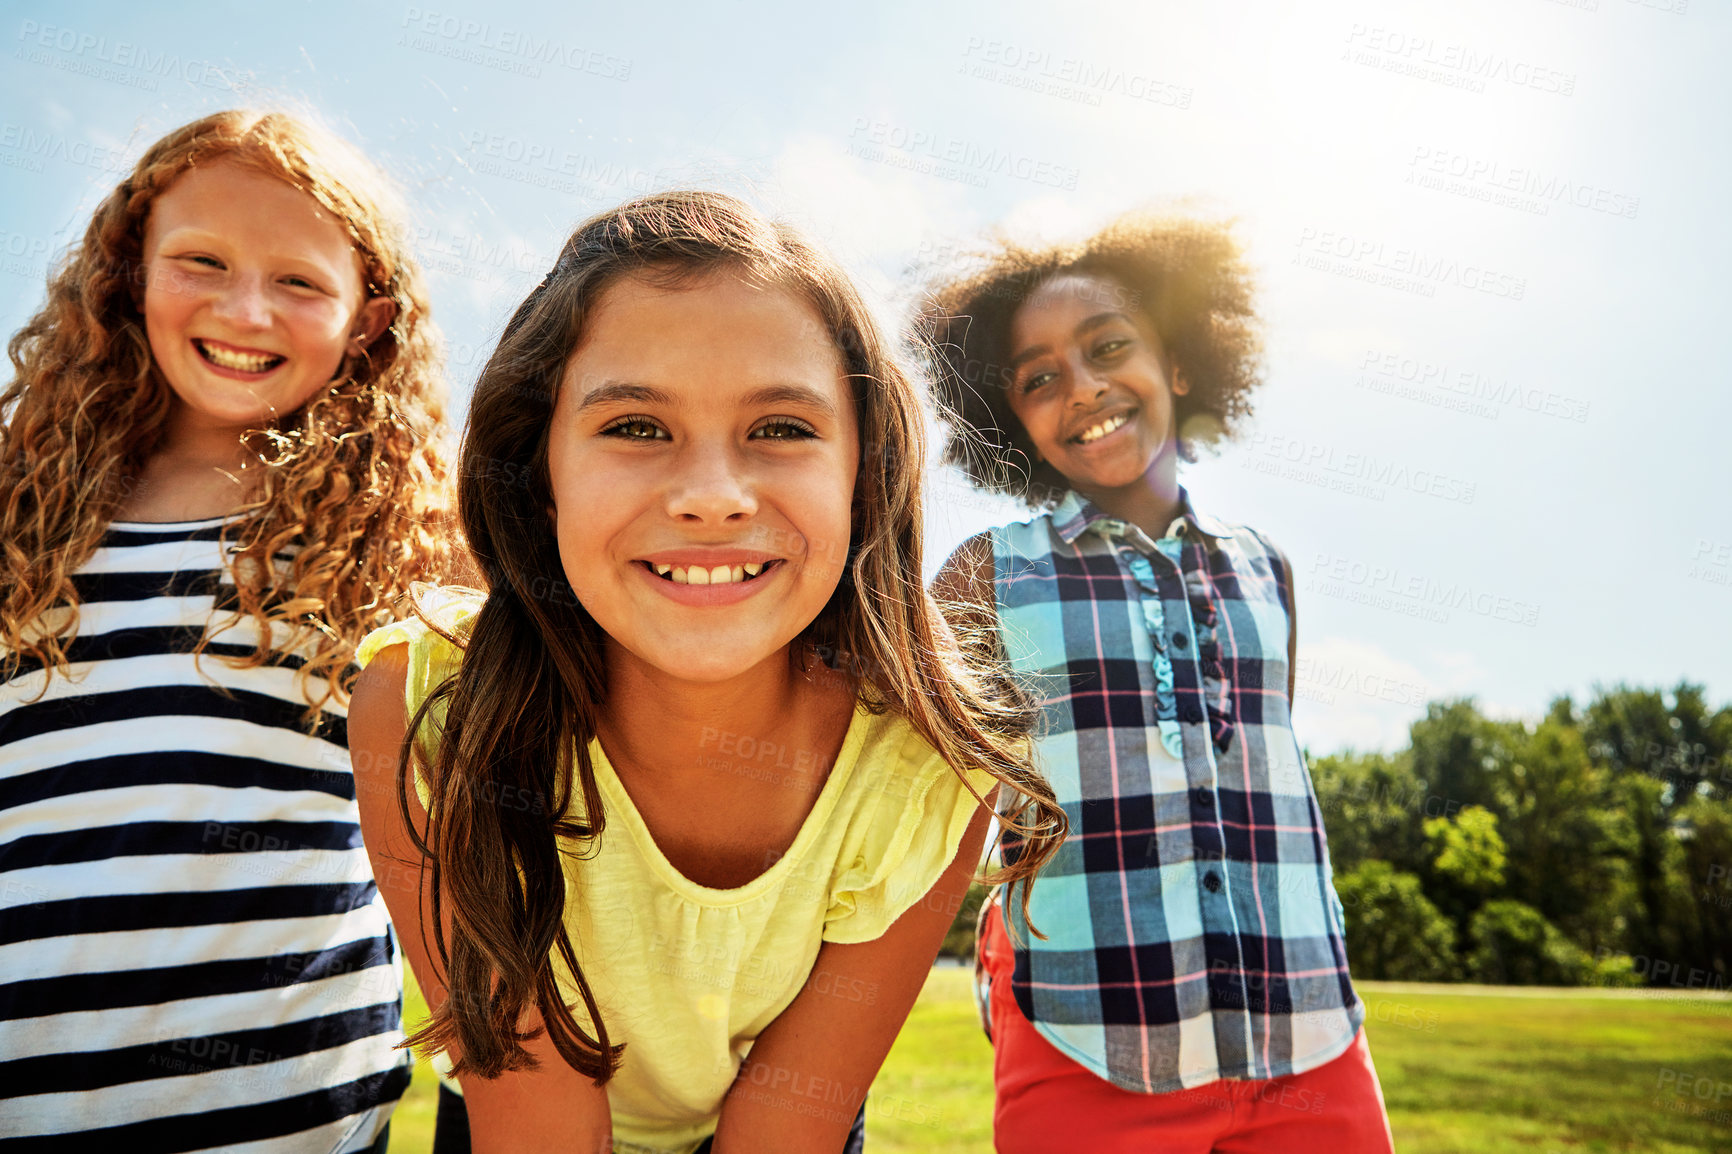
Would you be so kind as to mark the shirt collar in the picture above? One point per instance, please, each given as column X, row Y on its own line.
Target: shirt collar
column 1075, row 513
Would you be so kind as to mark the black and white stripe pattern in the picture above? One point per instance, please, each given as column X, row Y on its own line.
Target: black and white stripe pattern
column 193, row 954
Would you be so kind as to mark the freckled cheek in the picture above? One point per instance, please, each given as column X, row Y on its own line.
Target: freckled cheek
column 323, row 366
column 165, row 312
column 320, row 335
column 167, row 289
column 166, row 333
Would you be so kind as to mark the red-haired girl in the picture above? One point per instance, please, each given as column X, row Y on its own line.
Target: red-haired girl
column 222, row 463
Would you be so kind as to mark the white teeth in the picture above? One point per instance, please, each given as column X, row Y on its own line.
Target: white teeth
column 1098, row 431
column 245, row 362
column 705, row 575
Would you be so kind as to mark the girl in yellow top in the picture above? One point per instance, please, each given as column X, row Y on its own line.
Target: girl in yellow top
column 699, row 781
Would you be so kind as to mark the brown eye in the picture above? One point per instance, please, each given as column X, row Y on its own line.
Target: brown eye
column 635, row 429
column 784, row 429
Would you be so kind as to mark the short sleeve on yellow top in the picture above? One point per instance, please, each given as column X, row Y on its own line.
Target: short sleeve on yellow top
column 688, row 976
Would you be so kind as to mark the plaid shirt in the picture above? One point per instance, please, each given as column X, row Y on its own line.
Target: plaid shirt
column 1193, row 928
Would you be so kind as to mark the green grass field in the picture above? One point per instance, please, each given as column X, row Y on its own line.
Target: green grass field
column 1474, row 1070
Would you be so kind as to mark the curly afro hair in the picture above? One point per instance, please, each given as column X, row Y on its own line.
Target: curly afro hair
column 1186, row 277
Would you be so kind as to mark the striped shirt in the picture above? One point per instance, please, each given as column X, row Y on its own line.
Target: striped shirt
column 1193, row 928
column 193, row 953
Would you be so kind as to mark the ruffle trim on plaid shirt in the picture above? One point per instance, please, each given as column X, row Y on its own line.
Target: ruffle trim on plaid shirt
column 1075, row 514
column 1155, row 618
column 1217, row 701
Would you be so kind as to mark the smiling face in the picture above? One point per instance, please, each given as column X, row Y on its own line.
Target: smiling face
column 702, row 461
column 253, row 297
column 1090, row 386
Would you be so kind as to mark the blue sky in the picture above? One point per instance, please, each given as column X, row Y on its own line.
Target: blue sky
column 1492, row 256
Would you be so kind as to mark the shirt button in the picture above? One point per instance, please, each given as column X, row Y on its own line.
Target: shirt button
column 1204, row 798
column 1179, row 641
column 1212, row 882
column 1191, row 713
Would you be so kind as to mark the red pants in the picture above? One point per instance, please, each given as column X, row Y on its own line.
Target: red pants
column 1049, row 1104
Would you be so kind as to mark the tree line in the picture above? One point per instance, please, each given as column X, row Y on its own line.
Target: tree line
column 1591, row 847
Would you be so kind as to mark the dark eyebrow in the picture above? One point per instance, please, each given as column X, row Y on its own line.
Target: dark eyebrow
column 792, row 395
column 1100, row 319
column 623, row 392
column 1082, row 329
column 626, row 392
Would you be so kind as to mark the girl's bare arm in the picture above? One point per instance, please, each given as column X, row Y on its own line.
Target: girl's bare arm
column 801, row 1086
column 549, row 1108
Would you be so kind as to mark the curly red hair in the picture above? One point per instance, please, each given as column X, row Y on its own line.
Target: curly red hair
column 356, row 487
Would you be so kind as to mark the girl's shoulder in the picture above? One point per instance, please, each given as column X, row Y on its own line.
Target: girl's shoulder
column 1034, row 524
column 893, row 753
column 435, row 635
column 1257, row 552
column 1057, row 525
column 898, row 825
column 1041, row 530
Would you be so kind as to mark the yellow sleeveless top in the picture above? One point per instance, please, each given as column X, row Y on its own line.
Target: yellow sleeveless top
column 688, row 976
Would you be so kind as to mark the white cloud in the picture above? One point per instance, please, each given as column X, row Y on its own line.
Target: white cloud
column 1353, row 694
column 871, row 215
column 1051, row 219
column 1348, row 345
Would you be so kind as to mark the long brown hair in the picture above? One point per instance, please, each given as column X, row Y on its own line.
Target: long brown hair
column 354, row 481
column 522, row 708
column 1186, row 275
